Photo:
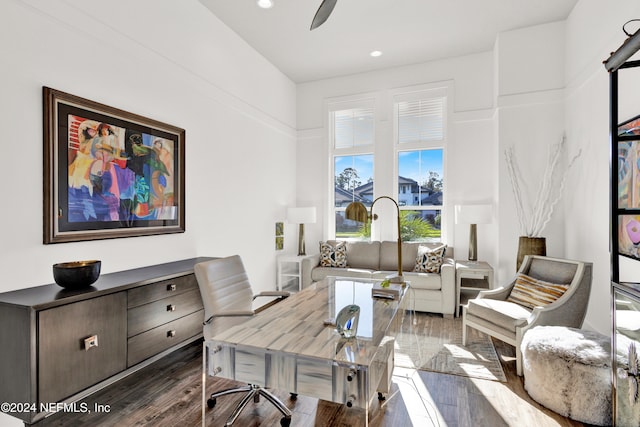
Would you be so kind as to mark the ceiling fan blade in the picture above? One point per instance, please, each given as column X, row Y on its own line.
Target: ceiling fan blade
column 325, row 9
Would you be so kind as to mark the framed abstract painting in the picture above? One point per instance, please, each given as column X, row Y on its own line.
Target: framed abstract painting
column 109, row 173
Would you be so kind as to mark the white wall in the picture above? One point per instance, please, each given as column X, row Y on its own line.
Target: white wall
column 170, row 61
column 529, row 119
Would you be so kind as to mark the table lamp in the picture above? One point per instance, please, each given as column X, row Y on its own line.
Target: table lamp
column 473, row 215
column 301, row 216
column 357, row 211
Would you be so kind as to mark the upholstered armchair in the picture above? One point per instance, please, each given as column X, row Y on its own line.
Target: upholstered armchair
column 548, row 291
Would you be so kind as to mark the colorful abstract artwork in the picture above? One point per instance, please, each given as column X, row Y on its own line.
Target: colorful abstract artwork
column 628, row 165
column 110, row 173
column 629, row 235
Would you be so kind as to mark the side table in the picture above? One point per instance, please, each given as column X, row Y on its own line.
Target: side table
column 471, row 278
column 289, row 272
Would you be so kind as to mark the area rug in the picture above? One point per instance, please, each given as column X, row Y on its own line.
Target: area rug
column 430, row 342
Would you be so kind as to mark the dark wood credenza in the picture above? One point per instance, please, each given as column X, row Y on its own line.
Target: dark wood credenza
column 59, row 346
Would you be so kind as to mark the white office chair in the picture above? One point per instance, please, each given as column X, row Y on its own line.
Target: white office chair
column 227, row 298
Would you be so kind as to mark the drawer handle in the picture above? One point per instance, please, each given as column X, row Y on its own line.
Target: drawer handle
column 171, row 307
column 171, row 334
column 171, row 287
column 90, row 342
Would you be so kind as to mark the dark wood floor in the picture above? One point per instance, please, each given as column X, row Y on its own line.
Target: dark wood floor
column 168, row 393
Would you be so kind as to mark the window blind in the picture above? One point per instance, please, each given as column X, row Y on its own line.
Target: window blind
column 353, row 127
column 421, row 120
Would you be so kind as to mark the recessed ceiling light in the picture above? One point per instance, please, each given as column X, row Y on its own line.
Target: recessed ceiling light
column 375, row 53
column 265, row 4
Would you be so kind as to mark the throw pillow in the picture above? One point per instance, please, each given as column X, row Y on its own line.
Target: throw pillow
column 530, row 292
column 333, row 256
column 429, row 260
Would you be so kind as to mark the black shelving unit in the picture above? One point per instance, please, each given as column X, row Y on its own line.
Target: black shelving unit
column 625, row 297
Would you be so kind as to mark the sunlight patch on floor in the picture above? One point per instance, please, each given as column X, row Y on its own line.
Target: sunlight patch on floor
column 417, row 399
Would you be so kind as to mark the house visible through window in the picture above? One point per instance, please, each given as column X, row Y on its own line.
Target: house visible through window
column 420, row 208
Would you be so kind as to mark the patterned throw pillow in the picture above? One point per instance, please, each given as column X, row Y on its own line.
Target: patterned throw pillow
column 530, row 292
column 333, row 256
column 429, row 260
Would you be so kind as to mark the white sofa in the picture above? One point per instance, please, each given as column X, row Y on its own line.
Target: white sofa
column 430, row 292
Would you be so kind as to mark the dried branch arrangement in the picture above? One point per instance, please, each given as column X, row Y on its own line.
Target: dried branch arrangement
column 533, row 218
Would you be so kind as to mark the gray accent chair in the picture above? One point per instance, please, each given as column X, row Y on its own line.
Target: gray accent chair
column 491, row 313
column 228, row 300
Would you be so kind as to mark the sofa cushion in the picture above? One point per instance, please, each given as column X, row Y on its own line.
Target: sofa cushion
column 505, row 314
column 530, row 292
column 429, row 259
column 363, row 255
column 333, row 254
column 389, row 255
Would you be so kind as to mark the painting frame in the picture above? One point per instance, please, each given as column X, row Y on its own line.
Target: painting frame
column 109, row 173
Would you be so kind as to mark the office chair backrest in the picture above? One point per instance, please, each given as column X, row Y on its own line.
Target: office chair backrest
column 224, row 286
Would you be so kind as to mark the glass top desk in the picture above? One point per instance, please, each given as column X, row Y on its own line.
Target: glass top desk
column 290, row 347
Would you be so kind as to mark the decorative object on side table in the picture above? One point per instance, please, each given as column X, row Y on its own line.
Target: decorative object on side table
column 76, row 274
column 533, row 216
column 473, row 215
column 301, row 216
column 356, row 211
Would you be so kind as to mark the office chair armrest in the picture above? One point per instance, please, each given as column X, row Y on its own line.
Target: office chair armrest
column 281, row 294
column 237, row 313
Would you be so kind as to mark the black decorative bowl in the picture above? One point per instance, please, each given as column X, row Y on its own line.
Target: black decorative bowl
column 76, row 274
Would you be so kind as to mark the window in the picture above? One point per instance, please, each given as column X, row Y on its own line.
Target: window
column 408, row 139
column 420, row 141
column 352, row 134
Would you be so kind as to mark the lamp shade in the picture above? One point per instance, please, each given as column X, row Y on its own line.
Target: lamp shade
column 301, row 215
column 473, row 214
column 357, row 211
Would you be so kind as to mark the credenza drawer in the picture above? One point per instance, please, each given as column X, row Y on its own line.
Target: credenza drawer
column 163, row 289
column 151, row 342
column 151, row 315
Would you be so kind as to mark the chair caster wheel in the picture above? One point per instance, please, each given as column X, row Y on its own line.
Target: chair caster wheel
column 285, row 422
column 381, row 397
column 211, row 403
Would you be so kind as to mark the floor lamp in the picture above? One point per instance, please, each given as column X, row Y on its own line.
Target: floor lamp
column 473, row 215
column 356, row 211
column 301, row 216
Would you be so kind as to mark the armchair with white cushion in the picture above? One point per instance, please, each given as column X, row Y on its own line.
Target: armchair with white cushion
column 548, row 291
